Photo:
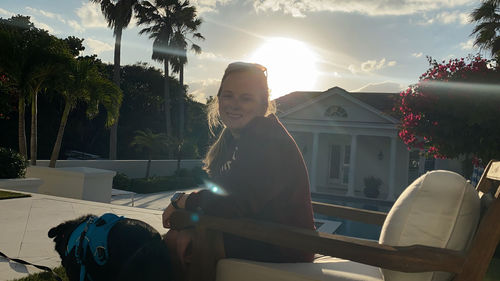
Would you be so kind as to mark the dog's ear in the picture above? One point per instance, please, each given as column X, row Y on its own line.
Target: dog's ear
column 53, row 232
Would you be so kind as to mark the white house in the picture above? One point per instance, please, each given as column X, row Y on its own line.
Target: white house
column 345, row 137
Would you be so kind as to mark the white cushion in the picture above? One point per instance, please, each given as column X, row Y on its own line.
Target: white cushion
column 439, row 209
column 324, row 269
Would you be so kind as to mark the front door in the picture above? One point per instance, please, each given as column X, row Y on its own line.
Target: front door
column 339, row 164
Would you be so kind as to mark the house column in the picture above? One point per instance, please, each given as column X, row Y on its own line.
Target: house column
column 314, row 160
column 392, row 169
column 352, row 165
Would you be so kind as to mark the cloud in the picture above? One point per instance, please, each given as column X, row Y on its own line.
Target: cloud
column 382, row 87
column 417, row 55
column 42, row 25
column 295, row 8
column 207, row 56
column 453, row 17
column 6, row 13
column 469, row 45
column 90, row 16
column 298, row 8
column 76, row 26
column 72, row 23
column 96, row 46
column 371, row 65
column 202, row 89
column 46, row 14
column 207, row 6
column 352, row 69
column 446, row 17
column 213, row 57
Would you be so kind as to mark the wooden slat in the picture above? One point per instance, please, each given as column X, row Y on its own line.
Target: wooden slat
column 494, row 172
column 486, row 183
column 366, row 216
column 483, row 246
column 407, row 259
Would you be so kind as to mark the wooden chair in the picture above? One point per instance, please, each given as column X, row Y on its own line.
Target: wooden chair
column 470, row 265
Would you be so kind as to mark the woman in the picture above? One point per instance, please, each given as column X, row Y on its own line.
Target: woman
column 256, row 166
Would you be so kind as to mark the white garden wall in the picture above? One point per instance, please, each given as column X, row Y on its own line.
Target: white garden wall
column 132, row 168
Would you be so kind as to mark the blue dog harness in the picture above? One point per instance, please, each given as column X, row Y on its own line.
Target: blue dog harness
column 92, row 235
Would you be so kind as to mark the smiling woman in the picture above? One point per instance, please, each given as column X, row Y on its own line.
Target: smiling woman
column 291, row 65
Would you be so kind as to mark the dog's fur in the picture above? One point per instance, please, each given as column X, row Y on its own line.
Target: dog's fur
column 136, row 252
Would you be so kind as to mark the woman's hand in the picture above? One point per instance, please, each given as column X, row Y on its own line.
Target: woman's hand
column 167, row 213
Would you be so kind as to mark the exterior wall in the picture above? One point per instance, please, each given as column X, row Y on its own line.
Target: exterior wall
column 368, row 163
column 304, row 142
column 355, row 113
column 367, row 160
column 402, row 166
column 131, row 168
column 75, row 182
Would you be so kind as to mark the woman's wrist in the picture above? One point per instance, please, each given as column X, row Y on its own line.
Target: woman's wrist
column 182, row 201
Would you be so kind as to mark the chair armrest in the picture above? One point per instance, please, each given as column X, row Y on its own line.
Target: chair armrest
column 414, row 258
column 355, row 214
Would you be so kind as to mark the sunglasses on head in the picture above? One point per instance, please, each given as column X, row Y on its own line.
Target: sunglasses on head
column 241, row 66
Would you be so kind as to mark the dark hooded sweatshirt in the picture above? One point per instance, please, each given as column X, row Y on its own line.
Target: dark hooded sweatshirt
column 263, row 177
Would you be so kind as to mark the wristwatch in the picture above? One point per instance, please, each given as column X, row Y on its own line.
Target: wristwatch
column 177, row 196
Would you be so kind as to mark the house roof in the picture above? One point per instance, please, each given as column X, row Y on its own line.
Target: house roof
column 383, row 102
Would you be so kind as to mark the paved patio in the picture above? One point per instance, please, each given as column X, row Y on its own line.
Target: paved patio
column 25, row 222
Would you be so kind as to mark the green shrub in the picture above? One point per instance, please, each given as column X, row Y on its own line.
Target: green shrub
column 121, row 181
column 199, row 174
column 12, row 164
column 153, row 184
column 183, row 172
column 182, row 179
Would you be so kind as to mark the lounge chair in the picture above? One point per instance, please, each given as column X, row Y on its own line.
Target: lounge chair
column 440, row 228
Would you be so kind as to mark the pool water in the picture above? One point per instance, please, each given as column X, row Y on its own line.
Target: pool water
column 352, row 228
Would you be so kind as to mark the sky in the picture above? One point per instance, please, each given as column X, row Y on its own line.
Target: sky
column 307, row 45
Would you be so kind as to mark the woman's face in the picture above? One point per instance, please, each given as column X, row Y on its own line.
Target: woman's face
column 243, row 96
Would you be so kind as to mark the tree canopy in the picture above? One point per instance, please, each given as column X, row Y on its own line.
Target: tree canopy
column 487, row 29
column 454, row 109
column 34, row 63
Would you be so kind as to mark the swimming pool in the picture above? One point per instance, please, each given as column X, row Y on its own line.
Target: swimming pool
column 352, row 228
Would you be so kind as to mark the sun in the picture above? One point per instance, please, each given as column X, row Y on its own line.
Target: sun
column 291, row 65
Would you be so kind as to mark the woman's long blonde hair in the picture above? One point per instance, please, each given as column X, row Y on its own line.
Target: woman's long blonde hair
column 213, row 158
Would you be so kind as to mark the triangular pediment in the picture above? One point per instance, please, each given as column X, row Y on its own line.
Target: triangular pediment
column 336, row 105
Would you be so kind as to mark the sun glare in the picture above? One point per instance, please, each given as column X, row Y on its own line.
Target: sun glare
column 291, row 65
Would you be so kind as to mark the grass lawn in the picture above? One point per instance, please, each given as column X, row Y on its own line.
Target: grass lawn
column 10, row 195
column 493, row 273
column 46, row 276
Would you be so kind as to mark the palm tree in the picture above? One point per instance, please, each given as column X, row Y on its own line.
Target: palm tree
column 188, row 25
column 161, row 19
column 487, row 30
column 118, row 14
column 169, row 21
column 150, row 143
column 30, row 56
column 82, row 82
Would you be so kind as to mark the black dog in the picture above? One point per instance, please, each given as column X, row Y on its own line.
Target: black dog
column 135, row 251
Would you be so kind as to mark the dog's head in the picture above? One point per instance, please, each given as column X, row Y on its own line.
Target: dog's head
column 62, row 233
